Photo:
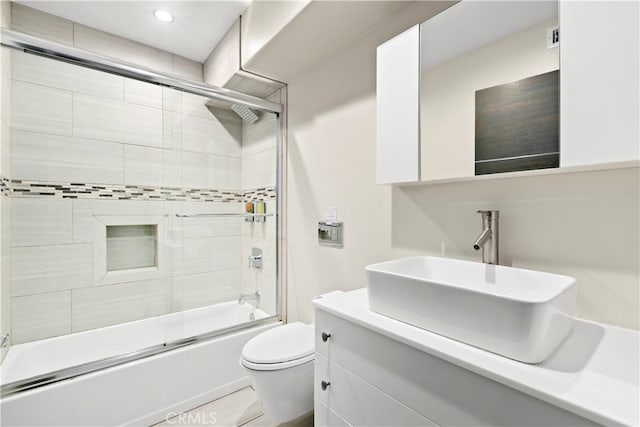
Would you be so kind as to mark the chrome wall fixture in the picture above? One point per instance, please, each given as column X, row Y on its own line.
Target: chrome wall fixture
column 4, row 340
column 60, row 52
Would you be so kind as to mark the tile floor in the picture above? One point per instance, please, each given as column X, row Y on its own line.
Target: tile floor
column 241, row 408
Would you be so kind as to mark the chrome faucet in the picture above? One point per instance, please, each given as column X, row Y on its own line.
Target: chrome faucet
column 488, row 239
column 4, row 340
column 254, row 296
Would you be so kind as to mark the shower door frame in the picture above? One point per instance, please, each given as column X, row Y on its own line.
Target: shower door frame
column 56, row 51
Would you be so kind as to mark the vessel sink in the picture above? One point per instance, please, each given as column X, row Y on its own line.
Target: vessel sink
column 521, row 314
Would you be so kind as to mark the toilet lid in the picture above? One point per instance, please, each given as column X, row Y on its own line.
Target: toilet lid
column 289, row 342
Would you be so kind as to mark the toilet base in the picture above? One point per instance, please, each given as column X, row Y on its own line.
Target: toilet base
column 285, row 394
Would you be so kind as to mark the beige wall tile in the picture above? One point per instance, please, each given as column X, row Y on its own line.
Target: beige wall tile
column 259, row 136
column 198, row 290
column 40, row 221
column 207, row 171
column 186, row 68
column 42, row 269
column 142, row 93
column 112, row 304
column 259, row 169
column 171, row 100
column 107, row 44
column 40, row 24
column 85, row 211
column 196, row 256
column 5, row 110
column 143, row 165
column 196, row 227
column 172, row 129
column 194, row 105
column 208, row 135
column 172, row 168
column 40, row 316
column 98, row 118
column 5, row 14
column 42, row 157
column 61, row 75
column 41, row 109
column 5, row 269
column 226, row 252
column 224, row 60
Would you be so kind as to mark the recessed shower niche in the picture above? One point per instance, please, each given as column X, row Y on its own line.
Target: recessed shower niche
column 128, row 248
column 131, row 246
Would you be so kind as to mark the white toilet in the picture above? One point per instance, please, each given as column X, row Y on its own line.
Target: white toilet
column 280, row 362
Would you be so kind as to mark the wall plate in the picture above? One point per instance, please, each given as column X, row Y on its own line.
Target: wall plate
column 330, row 233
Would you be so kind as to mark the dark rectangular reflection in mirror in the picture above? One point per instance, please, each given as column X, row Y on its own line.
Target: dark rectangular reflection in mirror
column 516, row 126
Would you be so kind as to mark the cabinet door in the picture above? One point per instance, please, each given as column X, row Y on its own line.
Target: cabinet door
column 599, row 82
column 325, row 417
column 398, row 108
column 358, row 402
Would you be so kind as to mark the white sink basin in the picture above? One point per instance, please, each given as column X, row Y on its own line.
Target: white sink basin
column 521, row 314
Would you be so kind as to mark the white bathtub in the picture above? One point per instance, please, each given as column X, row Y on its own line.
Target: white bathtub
column 140, row 392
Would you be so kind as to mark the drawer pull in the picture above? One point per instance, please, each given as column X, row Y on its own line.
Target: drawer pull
column 325, row 337
column 324, row 385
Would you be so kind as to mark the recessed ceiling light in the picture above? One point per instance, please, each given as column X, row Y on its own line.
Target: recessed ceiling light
column 163, row 15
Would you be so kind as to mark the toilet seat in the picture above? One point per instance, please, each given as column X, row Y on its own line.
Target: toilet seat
column 279, row 348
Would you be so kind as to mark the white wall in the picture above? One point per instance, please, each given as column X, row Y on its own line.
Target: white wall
column 261, row 21
column 584, row 224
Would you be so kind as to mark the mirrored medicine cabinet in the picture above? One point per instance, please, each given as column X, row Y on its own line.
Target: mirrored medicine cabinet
column 480, row 89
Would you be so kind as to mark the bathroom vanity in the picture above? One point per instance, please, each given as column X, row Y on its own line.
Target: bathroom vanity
column 374, row 370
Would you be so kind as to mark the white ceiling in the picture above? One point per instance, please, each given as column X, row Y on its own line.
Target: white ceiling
column 196, row 29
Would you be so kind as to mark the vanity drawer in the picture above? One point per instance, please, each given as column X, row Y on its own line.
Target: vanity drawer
column 434, row 388
column 325, row 417
column 357, row 402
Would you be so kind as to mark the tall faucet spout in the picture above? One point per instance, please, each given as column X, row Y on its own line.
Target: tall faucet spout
column 482, row 239
column 488, row 239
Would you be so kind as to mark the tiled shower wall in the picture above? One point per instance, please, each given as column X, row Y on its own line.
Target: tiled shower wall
column 88, row 147
column 5, row 201
column 259, row 168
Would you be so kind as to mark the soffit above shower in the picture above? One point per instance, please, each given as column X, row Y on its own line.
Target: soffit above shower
column 325, row 29
column 197, row 28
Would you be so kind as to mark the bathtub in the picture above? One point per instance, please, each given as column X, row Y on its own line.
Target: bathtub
column 142, row 391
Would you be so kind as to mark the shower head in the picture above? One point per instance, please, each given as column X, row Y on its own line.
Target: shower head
column 245, row 113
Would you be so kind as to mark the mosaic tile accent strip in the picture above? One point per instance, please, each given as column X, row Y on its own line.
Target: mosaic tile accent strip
column 260, row 194
column 72, row 190
column 4, row 186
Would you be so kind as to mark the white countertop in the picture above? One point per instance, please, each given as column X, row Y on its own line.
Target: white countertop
column 595, row 373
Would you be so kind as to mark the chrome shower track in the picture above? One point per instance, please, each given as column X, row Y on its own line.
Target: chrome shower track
column 90, row 367
column 38, row 46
